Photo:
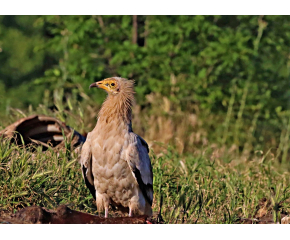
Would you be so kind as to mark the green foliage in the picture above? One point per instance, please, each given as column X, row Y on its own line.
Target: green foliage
column 219, row 83
column 233, row 69
column 19, row 61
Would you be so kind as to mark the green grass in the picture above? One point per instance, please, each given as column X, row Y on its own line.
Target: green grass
column 199, row 188
column 210, row 184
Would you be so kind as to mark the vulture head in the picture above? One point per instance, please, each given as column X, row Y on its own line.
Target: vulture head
column 115, row 86
column 120, row 98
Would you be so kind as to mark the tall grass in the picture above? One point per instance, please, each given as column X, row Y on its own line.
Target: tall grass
column 162, row 122
column 195, row 180
column 204, row 187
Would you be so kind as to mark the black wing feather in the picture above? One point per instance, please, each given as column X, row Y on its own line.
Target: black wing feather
column 143, row 187
column 90, row 186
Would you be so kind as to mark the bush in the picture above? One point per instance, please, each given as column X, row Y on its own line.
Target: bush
column 231, row 71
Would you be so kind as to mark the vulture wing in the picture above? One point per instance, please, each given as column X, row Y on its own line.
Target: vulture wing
column 140, row 165
column 86, row 164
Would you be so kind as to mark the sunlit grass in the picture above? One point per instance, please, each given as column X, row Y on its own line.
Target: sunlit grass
column 198, row 188
column 195, row 181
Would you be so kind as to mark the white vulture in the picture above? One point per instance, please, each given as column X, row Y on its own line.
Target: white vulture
column 115, row 163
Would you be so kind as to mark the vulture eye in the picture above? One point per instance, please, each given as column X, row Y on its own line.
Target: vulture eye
column 112, row 84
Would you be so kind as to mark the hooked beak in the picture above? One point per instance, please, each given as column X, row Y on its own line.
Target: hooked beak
column 98, row 85
column 93, row 85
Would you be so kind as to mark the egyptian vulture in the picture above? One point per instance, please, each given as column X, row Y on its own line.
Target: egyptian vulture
column 115, row 163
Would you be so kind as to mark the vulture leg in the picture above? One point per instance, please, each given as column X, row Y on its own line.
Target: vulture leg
column 106, row 212
column 130, row 212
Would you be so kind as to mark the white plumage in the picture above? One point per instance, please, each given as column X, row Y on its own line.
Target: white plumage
column 115, row 162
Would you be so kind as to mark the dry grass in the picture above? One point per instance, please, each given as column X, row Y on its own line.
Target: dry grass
column 195, row 180
column 205, row 187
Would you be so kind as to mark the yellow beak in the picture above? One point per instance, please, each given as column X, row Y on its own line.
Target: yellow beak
column 99, row 84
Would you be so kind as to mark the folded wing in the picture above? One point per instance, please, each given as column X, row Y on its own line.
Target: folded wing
column 140, row 165
column 86, row 165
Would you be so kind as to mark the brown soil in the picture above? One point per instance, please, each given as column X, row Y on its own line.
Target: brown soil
column 64, row 215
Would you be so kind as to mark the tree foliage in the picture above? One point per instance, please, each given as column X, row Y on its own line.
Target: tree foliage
column 236, row 67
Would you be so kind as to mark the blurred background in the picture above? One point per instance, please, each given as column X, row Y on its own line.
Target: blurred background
column 201, row 81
